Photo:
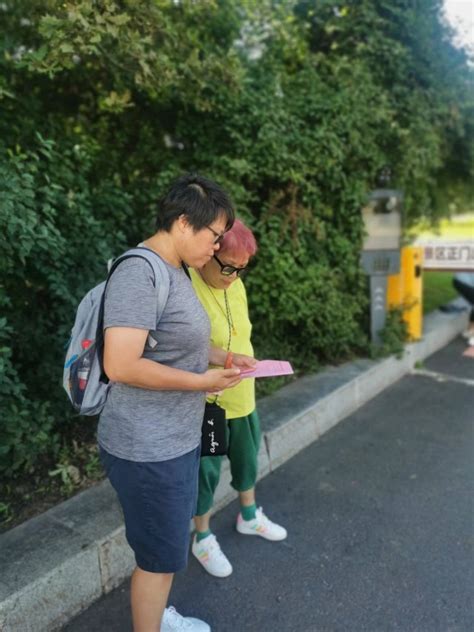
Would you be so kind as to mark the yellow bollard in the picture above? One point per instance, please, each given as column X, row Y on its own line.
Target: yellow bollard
column 406, row 289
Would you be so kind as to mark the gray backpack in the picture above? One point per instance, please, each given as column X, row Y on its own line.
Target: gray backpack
column 84, row 379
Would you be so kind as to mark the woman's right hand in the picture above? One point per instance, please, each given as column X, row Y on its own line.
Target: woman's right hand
column 216, row 380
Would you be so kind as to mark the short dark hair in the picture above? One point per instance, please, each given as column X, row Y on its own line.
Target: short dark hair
column 201, row 200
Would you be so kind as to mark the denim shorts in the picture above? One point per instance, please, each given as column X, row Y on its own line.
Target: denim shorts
column 158, row 500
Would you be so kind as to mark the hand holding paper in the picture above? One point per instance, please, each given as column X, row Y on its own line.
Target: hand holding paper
column 243, row 362
column 268, row 368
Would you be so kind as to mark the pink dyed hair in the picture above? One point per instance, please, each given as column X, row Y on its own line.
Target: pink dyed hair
column 238, row 241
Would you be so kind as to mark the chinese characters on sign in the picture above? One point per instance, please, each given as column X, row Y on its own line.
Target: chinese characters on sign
column 448, row 255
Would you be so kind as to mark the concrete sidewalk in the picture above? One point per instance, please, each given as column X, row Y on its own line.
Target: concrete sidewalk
column 57, row 564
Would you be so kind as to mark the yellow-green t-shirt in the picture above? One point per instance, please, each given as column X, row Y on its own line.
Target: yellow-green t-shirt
column 239, row 400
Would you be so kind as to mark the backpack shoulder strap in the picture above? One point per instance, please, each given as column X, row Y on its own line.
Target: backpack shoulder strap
column 161, row 274
column 161, row 283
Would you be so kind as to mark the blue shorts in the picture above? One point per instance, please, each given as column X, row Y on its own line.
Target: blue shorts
column 158, row 500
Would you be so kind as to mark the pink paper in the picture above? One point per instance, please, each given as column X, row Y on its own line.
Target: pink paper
column 269, row 368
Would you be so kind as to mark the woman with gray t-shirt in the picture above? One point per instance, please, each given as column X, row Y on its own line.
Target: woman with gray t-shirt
column 150, row 429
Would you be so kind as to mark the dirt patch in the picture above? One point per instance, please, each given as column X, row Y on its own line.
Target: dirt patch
column 53, row 481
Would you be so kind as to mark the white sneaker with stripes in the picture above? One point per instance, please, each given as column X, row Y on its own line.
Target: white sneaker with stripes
column 262, row 526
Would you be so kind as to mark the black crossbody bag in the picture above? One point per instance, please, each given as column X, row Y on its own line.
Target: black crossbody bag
column 214, row 436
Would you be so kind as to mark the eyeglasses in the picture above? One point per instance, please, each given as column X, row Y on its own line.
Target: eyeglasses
column 227, row 270
column 218, row 237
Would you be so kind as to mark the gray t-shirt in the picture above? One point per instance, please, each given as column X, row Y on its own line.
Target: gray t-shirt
column 139, row 424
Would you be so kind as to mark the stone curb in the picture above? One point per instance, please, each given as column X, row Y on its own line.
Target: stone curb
column 57, row 564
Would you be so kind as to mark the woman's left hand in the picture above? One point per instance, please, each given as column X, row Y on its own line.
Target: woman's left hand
column 243, row 362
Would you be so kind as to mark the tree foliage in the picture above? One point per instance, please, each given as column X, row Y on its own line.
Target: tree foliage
column 294, row 106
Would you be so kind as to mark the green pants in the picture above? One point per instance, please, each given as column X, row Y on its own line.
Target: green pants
column 243, row 436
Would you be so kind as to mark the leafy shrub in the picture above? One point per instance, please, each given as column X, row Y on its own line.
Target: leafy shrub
column 294, row 107
column 53, row 248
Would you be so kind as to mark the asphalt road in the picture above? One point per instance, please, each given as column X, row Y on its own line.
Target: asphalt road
column 380, row 519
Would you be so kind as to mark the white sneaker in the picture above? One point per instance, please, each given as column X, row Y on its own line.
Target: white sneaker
column 209, row 554
column 172, row 621
column 261, row 526
column 470, row 341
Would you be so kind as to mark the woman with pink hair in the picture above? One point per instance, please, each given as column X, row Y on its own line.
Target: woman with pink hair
column 219, row 287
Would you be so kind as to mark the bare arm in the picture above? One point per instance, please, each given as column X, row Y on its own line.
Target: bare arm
column 217, row 357
column 123, row 348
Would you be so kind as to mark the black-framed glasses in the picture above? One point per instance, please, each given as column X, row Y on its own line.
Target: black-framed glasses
column 228, row 270
column 218, row 237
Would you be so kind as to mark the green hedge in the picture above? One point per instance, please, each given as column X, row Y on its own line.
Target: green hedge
column 295, row 107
